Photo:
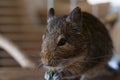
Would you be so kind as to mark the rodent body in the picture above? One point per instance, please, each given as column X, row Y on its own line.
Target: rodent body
column 76, row 44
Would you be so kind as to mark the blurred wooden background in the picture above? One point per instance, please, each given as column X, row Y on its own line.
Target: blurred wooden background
column 23, row 22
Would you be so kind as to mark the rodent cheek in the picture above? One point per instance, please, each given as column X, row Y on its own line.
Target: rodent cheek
column 69, row 47
column 47, row 57
column 44, row 55
column 44, row 59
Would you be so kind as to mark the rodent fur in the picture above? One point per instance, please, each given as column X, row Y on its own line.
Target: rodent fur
column 87, row 49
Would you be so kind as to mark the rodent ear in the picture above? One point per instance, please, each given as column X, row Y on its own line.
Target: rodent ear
column 75, row 16
column 51, row 15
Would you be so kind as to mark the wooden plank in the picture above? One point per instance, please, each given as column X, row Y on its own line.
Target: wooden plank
column 13, row 15
column 8, row 63
column 27, row 40
column 39, row 29
column 21, row 31
column 59, row 10
column 21, row 36
column 29, row 45
column 85, row 6
column 14, row 20
column 38, row 74
column 10, row 12
column 7, row 3
column 30, row 49
column 12, row 6
column 11, row 2
column 21, row 74
column 32, row 54
column 17, row 24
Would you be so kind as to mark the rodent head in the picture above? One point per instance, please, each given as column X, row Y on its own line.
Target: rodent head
column 63, row 38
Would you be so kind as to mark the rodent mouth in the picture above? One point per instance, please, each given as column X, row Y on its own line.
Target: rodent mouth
column 59, row 64
column 53, row 68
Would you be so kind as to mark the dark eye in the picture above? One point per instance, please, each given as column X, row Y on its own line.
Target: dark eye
column 62, row 42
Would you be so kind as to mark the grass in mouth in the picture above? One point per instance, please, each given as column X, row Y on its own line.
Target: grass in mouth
column 51, row 74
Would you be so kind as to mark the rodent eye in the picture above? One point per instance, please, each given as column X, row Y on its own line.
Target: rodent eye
column 62, row 42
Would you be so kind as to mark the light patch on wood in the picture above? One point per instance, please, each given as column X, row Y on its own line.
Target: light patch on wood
column 16, row 53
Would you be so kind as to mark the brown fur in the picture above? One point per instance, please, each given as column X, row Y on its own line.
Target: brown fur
column 87, row 49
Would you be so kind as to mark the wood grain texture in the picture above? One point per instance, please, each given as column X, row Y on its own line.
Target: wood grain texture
column 21, row 74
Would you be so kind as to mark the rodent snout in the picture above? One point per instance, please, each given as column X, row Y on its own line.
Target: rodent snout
column 44, row 58
column 48, row 57
column 45, row 62
column 48, row 61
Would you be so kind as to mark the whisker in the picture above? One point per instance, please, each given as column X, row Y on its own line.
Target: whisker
column 99, row 57
column 86, row 61
column 40, row 65
column 90, row 61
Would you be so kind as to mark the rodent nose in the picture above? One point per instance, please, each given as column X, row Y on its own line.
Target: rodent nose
column 45, row 62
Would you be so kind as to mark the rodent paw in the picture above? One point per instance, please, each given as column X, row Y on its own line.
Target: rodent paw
column 47, row 76
column 56, row 76
column 84, row 78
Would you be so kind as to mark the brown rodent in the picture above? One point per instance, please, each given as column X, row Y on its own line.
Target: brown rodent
column 76, row 44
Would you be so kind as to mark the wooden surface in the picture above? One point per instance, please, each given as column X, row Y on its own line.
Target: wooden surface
column 38, row 74
column 15, row 24
column 21, row 74
column 17, row 27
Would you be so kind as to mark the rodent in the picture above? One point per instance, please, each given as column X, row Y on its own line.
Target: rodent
column 77, row 44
